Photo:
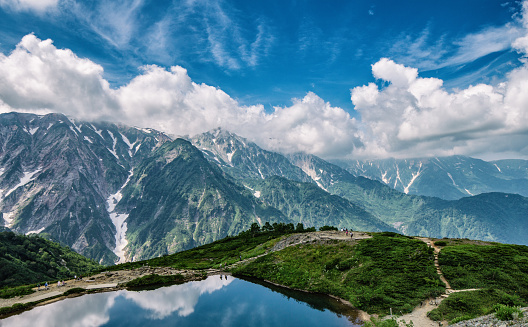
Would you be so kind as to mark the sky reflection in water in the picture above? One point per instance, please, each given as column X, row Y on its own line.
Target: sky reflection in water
column 211, row 302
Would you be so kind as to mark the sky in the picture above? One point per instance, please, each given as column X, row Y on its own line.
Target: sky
column 338, row 79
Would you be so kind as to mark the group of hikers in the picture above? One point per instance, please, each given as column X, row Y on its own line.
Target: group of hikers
column 347, row 232
column 60, row 283
column 45, row 287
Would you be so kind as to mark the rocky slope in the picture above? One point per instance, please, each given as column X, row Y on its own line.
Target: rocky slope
column 56, row 175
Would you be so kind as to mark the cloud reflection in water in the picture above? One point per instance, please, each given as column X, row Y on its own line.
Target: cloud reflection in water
column 93, row 310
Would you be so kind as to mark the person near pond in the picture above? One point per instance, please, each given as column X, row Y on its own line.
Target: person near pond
column 46, row 285
column 38, row 287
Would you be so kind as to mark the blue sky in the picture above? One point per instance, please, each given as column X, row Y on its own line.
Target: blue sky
column 271, row 56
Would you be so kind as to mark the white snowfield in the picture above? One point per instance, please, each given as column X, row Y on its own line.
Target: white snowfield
column 119, row 221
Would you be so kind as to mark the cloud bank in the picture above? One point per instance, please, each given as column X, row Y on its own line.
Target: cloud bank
column 38, row 77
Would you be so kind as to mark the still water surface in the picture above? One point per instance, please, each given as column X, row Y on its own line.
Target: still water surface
column 211, row 302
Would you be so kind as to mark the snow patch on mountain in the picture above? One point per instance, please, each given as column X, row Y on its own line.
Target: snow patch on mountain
column 88, row 139
column 78, row 128
column 257, row 194
column 36, row 231
column 468, row 192
column 452, row 180
column 230, row 156
column 119, row 221
column 8, row 218
column 114, row 140
column 398, row 178
column 28, row 177
column 127, row 142
column 384, row 178
column 500, row 171
column 313, row 175
column 73, row 130
column 98, row 131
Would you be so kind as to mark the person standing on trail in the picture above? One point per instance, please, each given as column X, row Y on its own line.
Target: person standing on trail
column 46, row 285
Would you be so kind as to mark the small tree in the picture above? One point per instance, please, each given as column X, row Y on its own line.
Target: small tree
column 325, row 227
column 267, row 227
column 299, row 228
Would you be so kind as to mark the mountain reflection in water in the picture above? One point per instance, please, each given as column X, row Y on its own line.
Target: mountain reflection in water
column 211, row 302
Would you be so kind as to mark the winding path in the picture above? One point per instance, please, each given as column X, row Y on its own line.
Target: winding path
column 419, row 314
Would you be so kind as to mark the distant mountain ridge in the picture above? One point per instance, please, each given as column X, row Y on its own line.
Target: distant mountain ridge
column 449, row 178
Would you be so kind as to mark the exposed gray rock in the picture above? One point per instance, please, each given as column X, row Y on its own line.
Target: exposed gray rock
column 492, row 321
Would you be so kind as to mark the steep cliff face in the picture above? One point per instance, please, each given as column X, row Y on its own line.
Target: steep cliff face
column 56, row 175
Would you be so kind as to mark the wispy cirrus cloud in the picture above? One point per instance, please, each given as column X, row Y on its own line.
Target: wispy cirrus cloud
column 115, row 21
column 428, row 52
column 230, row 45
column 38, row 6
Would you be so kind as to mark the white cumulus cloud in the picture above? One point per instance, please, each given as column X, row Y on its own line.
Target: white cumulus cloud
column 415, row 116
column 37, row 77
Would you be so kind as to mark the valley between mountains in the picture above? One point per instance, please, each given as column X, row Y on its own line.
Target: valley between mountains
column 116, row 193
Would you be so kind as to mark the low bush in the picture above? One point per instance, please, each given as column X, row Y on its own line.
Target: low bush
column 75, row 290
column 323, row 228
column 461, row 318
column 9, row 292
column 17, row 307
column 155, row 279
column 505, row 312
column 471, row 304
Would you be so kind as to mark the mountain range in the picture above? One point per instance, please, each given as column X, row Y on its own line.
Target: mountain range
column 117, row 193
column 449, row 178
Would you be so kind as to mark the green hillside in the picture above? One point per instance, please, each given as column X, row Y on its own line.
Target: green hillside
column 32, row 259
column 308, row 204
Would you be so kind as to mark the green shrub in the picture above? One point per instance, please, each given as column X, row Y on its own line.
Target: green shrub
column 462, row 318
column 154, row 279
column 440, row 243
column 323, row 228
column 74, row 290
column 381, row 323
column 15, row 308
column 505, row 312
column 9, row 292
column 472, row 304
